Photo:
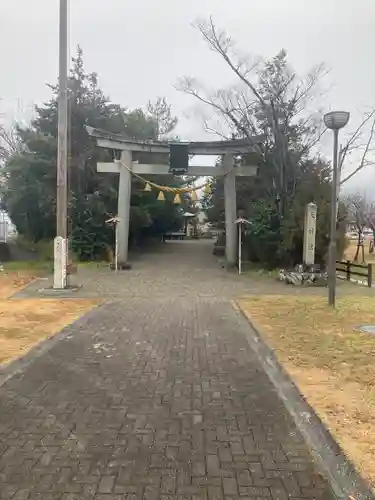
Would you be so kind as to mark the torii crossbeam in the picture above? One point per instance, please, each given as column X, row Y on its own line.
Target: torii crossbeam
column 227, row 149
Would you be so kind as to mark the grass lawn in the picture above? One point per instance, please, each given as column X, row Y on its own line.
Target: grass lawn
column 25, row 322
column 332, row 364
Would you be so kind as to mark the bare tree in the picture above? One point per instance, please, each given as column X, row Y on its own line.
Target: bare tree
column 356, row 209
column 9, row 142
column 268, row 100
column 369, row 216
column 359, row 148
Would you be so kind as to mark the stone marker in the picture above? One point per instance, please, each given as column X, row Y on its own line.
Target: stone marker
column 60, row 262
column 309, row 234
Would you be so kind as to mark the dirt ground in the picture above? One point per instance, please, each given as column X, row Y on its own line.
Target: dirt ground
column 25, row 322
column 329, row 360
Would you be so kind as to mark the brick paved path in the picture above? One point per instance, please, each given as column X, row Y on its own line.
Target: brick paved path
column 181, row 269
column 152, row 398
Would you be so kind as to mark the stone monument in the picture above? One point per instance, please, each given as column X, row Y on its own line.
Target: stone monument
column 306, row 273
column 60, row 263
column 309, row 235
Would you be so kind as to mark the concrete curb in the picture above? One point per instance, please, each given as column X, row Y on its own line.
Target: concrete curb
column 344, row 480
column 20, row 364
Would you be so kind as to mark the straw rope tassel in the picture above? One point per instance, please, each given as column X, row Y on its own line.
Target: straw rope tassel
column 194, row 196
column 177, row 199
column 167, row 188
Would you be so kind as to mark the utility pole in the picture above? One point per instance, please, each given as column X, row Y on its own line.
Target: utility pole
column 61, row 247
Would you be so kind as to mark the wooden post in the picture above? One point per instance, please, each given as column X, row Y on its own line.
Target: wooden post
column 348, row 270
column 240, row 248
column 369, row 275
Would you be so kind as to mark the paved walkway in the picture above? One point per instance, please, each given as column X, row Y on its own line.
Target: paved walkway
column 181, row 269
column 156, row 397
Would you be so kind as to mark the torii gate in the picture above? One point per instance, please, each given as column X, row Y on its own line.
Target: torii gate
column 227, row 149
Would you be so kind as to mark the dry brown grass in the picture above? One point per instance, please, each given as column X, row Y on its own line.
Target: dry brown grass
column 25, row 322
column 351, row 250
column 330, row 362
column 10, row 283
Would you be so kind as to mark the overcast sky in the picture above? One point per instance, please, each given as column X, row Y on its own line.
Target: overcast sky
column 139, row 48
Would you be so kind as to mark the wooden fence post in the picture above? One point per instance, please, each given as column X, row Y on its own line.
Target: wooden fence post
column 348, row 270
column 369, row 275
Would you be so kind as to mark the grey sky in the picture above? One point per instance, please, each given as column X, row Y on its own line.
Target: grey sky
column 139, row 48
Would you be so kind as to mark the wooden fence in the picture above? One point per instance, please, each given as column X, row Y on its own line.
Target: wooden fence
column 349, row 269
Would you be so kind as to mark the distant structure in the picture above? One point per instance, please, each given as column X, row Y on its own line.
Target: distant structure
column 7, row 229
column 4, row 230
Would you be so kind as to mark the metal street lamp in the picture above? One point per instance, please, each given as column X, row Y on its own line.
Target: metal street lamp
column 335, row 120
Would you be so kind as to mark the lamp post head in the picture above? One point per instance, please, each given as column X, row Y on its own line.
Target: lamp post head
column 336, row 119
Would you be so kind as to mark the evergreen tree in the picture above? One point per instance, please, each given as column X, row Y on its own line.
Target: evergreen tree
column 28, row 188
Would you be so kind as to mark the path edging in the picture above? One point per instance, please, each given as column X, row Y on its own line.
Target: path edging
column 344, row 479
column 19, row 365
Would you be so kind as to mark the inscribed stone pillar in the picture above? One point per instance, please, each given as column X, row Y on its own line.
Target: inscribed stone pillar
column 60, row 263
column 309, row 234
column 230, row 203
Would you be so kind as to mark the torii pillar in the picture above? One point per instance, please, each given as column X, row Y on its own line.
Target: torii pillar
column 230, row 204
column 226, row 149
column 124, row 196
column 123, row 211
column 228, row 170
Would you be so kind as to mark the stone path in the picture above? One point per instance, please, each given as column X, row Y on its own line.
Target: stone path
column 152, row 398
column 180, row 269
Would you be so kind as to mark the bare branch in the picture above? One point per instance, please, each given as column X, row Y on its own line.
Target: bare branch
column 214, row 131
column 221, row 43
column 266, row 100
column 189, row 86
column 363, row 163
column 351, row 143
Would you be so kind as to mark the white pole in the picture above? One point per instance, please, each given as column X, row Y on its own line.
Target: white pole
column 240, row 248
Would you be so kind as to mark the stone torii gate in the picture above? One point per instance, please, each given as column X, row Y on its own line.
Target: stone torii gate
column 227, row 149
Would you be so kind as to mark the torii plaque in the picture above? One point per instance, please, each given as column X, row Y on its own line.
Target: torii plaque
column 226, row 149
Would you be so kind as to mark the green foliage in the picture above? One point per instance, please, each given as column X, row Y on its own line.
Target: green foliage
column 28, row 190
column 41, row 250
column 274, row 241
column 4, row 252
column 263, row 236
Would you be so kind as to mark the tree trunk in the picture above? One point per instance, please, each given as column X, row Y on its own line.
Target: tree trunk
column 357, row 250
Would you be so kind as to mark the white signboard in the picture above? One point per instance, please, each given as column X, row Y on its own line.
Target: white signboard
column 309, row 234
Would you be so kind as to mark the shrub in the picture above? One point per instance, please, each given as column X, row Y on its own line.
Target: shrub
column 274, row 242
column 4, row 252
